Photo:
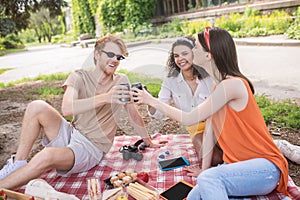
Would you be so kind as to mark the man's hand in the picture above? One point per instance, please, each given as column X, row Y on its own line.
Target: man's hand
column 119, row 92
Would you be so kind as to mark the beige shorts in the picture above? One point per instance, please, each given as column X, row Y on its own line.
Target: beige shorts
column 87, row 155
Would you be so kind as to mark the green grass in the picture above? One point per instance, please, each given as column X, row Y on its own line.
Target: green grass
column 152, row 84
column 283, row 114
column 7, row 51
column 48, row 92
column 46, row 78
column 4, row 70
column 52, row 77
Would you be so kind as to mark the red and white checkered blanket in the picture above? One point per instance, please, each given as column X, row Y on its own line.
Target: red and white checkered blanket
column 178, row 145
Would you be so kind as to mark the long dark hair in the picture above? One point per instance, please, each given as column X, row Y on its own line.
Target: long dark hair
column 173, row 69
column 223, row 51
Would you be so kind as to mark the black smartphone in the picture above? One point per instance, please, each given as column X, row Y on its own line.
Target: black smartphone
column 173, row 163
column 178, row 191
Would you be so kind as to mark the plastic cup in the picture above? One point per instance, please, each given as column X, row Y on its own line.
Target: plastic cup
column 128, row 88
column 94, row 189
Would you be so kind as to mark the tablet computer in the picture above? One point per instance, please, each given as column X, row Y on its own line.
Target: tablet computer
column 173, row 163
column 178, row 191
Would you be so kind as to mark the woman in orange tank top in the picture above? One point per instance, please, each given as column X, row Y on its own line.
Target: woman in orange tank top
column 253, row 165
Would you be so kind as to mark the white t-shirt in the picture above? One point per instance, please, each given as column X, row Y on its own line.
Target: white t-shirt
column 176, row 89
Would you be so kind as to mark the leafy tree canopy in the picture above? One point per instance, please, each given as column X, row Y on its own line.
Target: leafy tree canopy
column 15, row 14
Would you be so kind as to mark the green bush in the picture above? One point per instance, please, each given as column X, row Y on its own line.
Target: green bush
column 233, row 22
column 2, row 47
column 191, row 28
column 294, row 30
column 64, row 38
column 253, row 24
column 82, row 18
column 171, row 27
column 111, row 15
column 250, row 12
column 144, row 29
column 257, row 32
column 133, row 17
column 276, row 23
column 28, row 36
column 11, row 41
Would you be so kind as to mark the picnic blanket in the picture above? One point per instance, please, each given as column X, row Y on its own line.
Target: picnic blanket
column 178, row 145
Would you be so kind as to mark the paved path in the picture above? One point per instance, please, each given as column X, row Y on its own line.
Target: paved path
column 42, row 60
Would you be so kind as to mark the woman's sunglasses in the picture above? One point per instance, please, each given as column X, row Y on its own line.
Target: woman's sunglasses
column 112, row 54
column 207, row 37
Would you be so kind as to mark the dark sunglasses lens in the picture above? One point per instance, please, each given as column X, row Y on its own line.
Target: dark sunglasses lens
column 120, row 57
column 110, row 54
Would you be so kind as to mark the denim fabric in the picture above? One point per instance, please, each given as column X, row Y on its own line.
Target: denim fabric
column 252, row 177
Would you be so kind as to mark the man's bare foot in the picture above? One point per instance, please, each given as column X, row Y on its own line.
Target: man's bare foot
column 194, row 170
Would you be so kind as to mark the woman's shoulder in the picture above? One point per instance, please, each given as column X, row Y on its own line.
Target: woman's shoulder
column 234, row 86
column 232, row 81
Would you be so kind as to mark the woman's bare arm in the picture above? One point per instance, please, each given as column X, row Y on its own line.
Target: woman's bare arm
column 226, row 91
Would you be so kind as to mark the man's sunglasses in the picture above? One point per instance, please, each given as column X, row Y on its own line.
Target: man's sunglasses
column 112, row 54
column 207, row 37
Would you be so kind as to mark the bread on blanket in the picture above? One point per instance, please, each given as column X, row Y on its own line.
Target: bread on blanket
column 133, row 175
column 117, row 183
column 112, row 194
column 129, row 171
column 113, row 179
column 121, row 175
column 126, row 179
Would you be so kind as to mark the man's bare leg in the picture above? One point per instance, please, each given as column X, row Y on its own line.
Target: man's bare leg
column 61, row 158
column 38, row 115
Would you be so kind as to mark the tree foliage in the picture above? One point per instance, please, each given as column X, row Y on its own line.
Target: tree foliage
column 111, row 14
column 83, row 20
column 138, row 12
column 43, row 24
column 7, row 26
column 54, row 6
column 15, row 14
column 125, row 14
column 93, row 6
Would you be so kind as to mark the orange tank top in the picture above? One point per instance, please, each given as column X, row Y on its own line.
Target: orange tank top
column 244, row 135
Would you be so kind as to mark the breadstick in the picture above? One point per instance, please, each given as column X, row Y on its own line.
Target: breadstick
column 142, row 189
column 145, row 189
column 134, row 194
column 141, row 192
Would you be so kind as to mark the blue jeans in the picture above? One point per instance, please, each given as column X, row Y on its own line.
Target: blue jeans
column 252, row 177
